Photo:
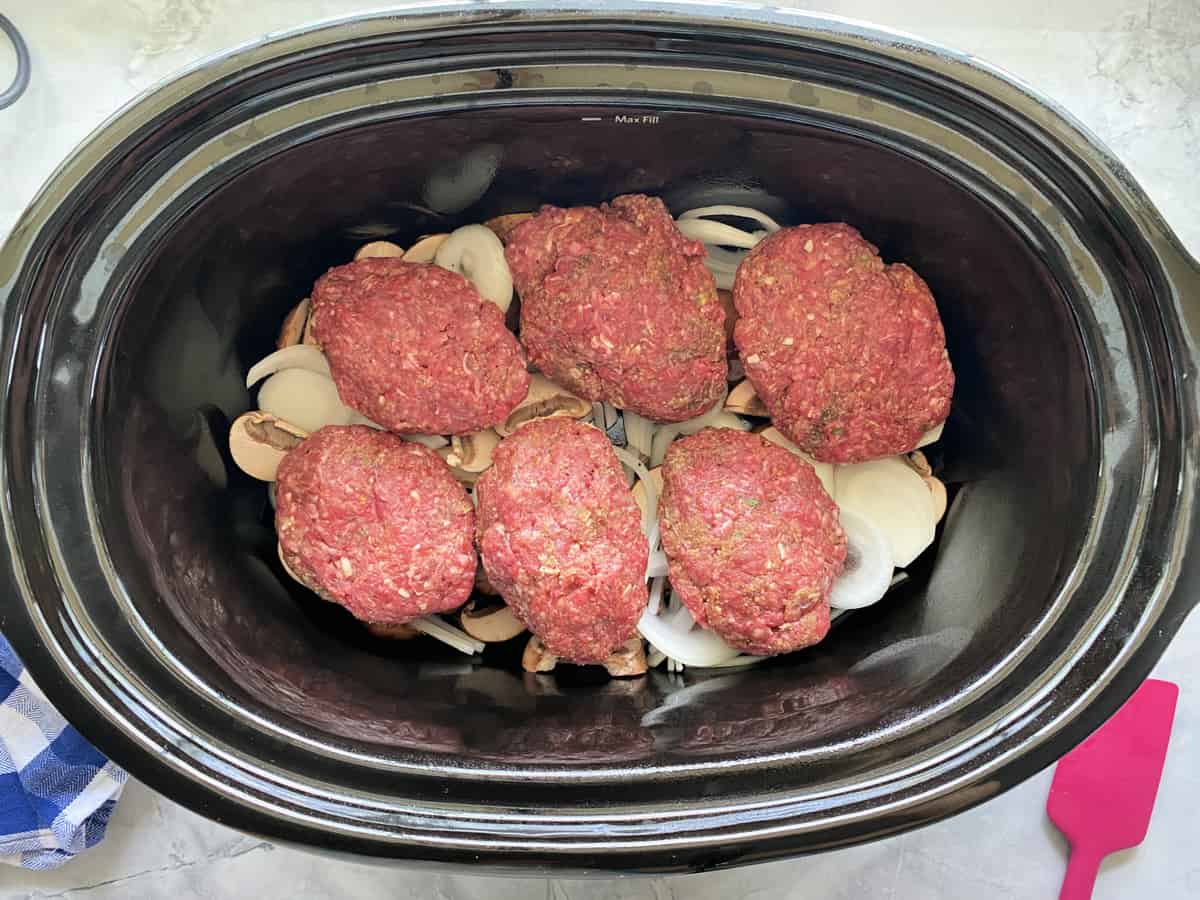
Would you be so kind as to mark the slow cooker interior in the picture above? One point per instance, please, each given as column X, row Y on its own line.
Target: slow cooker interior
column 191, row 537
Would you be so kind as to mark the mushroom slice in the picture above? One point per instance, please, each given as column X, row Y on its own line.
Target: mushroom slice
column 475, row 252
column 310, row 337
column 306, row 399
column 933, row 434
column 824, row 470
column 545, row 400
column 472, row 452
column 918, row 463
column 503, row 226
column 391, row 632
column 297, row 356
column 725, row 295
column 627, row 660
column 537, row 658
column 292, row 330
column 424, row 250
column 893, row 498
column 744, row 401
column 937, row 491
column 258, row 441
column 379, row 249
column 482, row 583
column 490, row 624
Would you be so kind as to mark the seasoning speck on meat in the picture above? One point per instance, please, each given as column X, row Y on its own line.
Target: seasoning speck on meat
column 375, row 523
column 560, row 538
column 848, row 354
column 416, row 348
column 618, row 306
column 752, row 540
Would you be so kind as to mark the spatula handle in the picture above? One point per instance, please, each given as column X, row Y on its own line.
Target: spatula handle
column 1081, row 874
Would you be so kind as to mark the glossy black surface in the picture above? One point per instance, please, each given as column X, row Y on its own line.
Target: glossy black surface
column 156, row 268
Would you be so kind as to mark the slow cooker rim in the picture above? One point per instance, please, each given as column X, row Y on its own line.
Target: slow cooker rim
column 39, row 203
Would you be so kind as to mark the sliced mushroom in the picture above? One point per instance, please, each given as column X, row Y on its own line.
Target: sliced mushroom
column 482, row 583
column 503, row 226
column 391, row 632
column 424, row 250
column 292, row 331
column 490, row 624
column 744, row 401
column 379, row 249
column 258, row 441
column 639, row 489
column 306, row 399
column 918, row 463
column 938, row 491
column 310, row 337
column 472, row 452
column 475, row 252
column 297, row 356
column 536, row 657
column 545, row 400
column 627, row 660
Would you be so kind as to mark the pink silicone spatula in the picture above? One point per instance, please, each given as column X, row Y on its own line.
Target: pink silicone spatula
column 1103, row 790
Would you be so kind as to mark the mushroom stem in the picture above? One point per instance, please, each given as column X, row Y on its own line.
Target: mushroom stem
column 537, row 658
column 628, row 660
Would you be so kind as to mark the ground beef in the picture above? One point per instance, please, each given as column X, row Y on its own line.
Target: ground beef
column 375, row 523
column 617, row 305
column 416, row 349
column 752, row 540
column 848, row 354
column 561, row 539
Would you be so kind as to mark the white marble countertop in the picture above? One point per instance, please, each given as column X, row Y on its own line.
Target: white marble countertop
column 1131, row 72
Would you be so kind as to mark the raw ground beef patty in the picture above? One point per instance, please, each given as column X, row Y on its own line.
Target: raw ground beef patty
column 375, row 523
column 848, row 355
column 617, row 305
column 416, row 348
column 561, row 539
column 752, row 540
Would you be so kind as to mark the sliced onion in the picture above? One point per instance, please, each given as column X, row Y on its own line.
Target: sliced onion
column 650, row 513
column 739, row 661
column 306, row 399
column 676, row 634
column 657, row 585
column 892, row 497
column 933, row 434
column 639, row 433
column 868, row 572
column 297, row 356
column 723, row 280
column 432, row 441
column 732, row 212
column 442, row 631
column 657, row 566
column 718, row 233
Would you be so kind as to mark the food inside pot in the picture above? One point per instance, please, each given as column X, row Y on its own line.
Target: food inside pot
column 601, row 483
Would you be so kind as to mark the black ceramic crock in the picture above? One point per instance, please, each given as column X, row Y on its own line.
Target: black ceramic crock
column 143, row 589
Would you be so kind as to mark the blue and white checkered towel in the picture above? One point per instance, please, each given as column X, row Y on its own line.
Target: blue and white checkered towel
column 56, row 790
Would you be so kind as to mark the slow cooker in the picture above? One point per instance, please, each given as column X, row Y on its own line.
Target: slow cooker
column 154, row 267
